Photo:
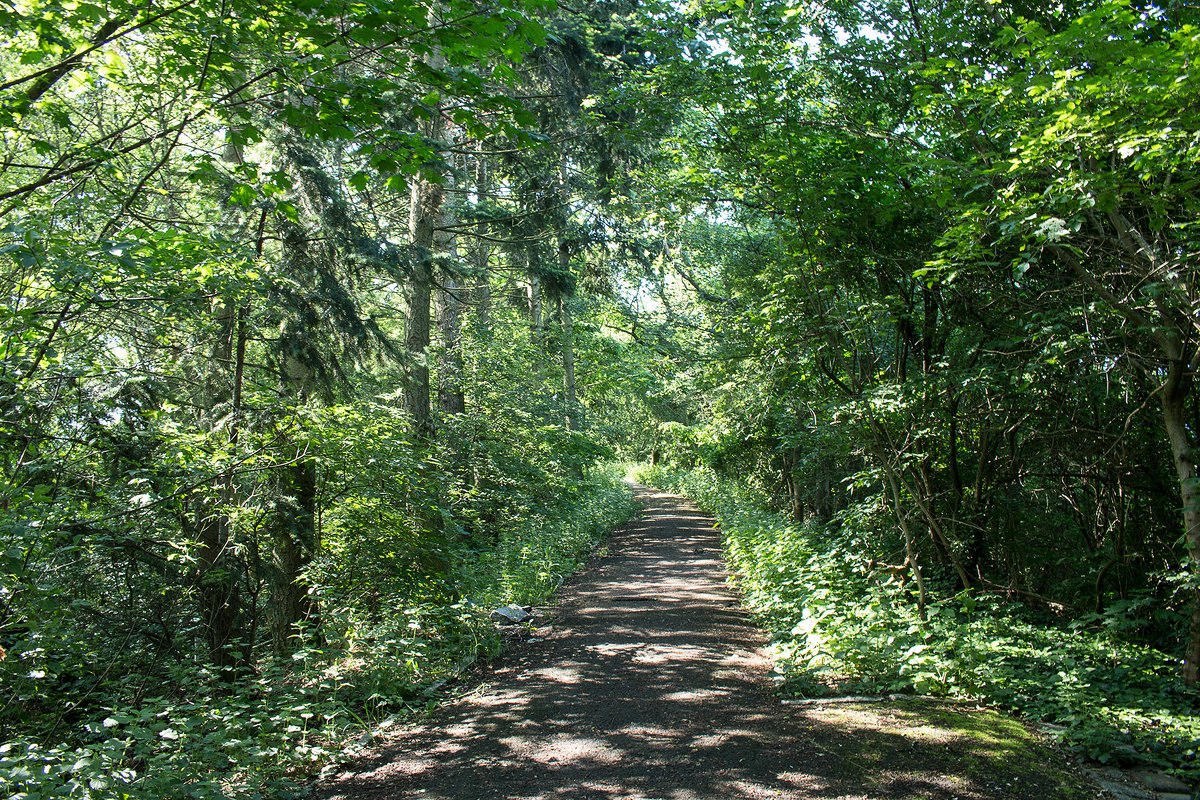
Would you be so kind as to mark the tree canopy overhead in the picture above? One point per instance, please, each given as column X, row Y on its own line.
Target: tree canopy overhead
column 317, row 313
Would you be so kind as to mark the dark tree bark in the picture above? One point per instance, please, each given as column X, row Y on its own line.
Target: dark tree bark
column 218, row 561
column 570, row 397
column 451, row 399
column 294, row 542
column 426, row 202
column 1174, row 405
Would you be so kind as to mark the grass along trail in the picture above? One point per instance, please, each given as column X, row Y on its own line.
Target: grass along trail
column 651, row 683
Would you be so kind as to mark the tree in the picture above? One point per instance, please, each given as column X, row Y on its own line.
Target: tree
column 938, row 286
column 1116, row 210
column 183, row 194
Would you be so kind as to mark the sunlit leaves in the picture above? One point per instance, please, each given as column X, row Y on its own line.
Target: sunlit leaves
column 843, row 621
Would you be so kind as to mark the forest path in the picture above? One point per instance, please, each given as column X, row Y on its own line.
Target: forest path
column 652, row 684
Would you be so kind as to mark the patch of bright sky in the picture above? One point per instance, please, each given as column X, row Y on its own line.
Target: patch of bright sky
column 806, row 43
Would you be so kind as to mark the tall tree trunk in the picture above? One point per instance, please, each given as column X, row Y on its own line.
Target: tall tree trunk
column 1174, row 404
column 294, row 542
column 910, row 550
column 217, row 559
column 450, row 388
column 537, row 322
column 570, row 397
column 481, row 291
column 425, row 205
column 219, row 562
column 481, row 296
column 568, row 343
column 450, row 313
column 217, row 586
column 292, row 527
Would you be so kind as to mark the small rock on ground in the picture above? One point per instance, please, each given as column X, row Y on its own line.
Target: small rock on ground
column 1161, row 781
column 1119, row 785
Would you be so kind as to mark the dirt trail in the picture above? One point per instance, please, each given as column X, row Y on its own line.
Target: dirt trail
column 651, row 684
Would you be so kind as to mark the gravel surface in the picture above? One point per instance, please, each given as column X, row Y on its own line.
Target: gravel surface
column 651, row 683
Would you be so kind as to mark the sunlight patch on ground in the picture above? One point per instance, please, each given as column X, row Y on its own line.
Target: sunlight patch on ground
column 609, row 648
column 673, row 654
column 557, row 674
column 710, row 740
column 908, row 726
column 566, row 749
column 649, row 731
column 695, row 694
column 803, row 780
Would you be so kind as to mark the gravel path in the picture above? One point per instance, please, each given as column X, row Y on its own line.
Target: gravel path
column 651, row 684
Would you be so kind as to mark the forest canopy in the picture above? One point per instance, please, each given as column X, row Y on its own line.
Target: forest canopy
column 324, row 323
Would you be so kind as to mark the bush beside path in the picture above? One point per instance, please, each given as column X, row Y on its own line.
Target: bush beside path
column 651, row 681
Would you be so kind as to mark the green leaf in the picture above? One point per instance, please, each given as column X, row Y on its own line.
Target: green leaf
column 243, row 195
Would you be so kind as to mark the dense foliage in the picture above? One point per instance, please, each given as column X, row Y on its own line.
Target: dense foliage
column 839, row 625
column 148, row 725
column 939, row 261
column 287, row 381
column 319, row 318
column 928, row 286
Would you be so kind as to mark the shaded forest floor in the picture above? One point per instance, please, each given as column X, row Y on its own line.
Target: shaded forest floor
column 648, row 680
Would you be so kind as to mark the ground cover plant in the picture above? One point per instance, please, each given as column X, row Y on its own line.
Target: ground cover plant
column 841, row 625
column 316, row 319
column 198, row 734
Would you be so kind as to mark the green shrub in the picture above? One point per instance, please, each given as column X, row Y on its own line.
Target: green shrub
column 386, row 641
column 839, row 626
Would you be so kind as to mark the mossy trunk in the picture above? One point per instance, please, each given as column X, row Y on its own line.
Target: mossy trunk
column 218, row 561
column 1174, row 404
column 294, row 542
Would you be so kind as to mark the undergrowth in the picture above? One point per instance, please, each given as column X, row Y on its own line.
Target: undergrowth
column 839, row 626
column 261, row 733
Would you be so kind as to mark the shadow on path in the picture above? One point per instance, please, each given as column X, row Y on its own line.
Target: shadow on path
column 652, row 685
